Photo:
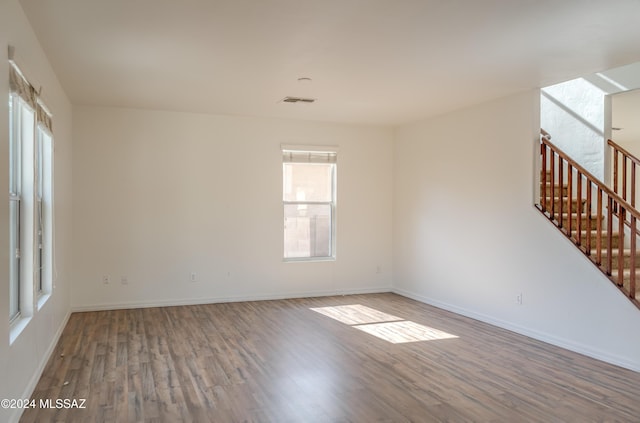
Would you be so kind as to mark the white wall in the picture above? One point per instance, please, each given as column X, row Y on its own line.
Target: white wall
column 22, row 361
column 573, row 113
column 625, row 109
column 467, row 237
column 158, row 195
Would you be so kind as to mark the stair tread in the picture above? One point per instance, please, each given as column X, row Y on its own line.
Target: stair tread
column 593, row 231
column 565, row 198
column 626, row 271
column 548, row 182
column 583, row 214
column 626, row 252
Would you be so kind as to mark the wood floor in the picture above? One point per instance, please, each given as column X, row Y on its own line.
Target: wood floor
column 316, row 360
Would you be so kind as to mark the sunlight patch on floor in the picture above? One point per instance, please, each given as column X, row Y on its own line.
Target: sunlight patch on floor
column 405, row 331
column 356, row 314
column 382, row 325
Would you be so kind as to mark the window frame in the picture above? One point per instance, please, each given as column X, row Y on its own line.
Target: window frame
column 31, row 222
column 331, row 203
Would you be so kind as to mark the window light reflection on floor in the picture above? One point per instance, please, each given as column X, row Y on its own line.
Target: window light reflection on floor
column 356, row 314
column 382, row 325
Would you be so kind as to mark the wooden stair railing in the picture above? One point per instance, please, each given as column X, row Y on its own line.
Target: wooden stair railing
column 569, row 195
column 626, row 179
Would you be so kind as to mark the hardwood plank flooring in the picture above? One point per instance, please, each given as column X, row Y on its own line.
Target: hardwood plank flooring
column 296, row 361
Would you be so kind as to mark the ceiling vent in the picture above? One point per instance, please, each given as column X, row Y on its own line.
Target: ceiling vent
column 298, row 100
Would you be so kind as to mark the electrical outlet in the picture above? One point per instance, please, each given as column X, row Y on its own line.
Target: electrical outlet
column 519, row 299
column 124, row 280
column 193, row 277
column 378, row 269
column 106, row 279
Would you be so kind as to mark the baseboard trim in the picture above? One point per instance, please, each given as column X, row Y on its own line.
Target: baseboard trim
column 33, row 382
column 226, row 299
column 531, row 333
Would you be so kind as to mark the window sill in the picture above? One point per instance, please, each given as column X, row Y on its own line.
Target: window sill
column 17, row 327
column 42, row 299
column 308, row 259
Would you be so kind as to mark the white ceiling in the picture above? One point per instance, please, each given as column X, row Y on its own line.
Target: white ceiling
column 372, row 61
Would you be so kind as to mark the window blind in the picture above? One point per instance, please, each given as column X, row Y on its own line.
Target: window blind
column 309, row 154
column 19, row 85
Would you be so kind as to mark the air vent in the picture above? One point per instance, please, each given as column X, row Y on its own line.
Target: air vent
column 298, row 100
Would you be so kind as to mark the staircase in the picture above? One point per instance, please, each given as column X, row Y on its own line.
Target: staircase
column 597, row 219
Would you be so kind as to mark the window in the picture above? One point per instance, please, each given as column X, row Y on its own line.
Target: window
column 309, row 201
column 30, row 197
column 15, row 125
column 43, row 261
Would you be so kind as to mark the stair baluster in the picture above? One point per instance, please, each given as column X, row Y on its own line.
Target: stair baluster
column 632, row 275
